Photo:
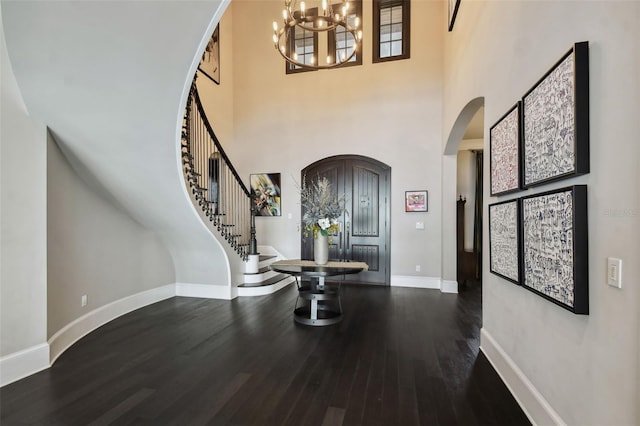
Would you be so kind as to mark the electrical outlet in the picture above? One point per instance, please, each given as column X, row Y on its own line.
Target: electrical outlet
column 83, row 300
column 417, row 268
column 614, row 272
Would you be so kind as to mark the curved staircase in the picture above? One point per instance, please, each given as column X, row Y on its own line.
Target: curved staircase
column 264, row 280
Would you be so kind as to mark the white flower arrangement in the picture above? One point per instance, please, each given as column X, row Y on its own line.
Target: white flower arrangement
column 322, row 207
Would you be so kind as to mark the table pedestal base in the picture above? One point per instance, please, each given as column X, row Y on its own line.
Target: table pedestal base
column 323, row 306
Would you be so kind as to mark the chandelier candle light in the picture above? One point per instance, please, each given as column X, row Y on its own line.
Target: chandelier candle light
column 325, row 22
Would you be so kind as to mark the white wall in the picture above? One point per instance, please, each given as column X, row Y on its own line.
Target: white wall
column 584, row 367
column 23, row 221
column 388, row 111
column 112, row 87
column 94, row 248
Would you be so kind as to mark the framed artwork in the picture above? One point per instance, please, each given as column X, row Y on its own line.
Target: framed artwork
column 210, row 62
column 454, row 5
column 504, row 240
column 504, row 152
column 415, row 201
column 554, row 247
column 265, row 193
column 556, row 121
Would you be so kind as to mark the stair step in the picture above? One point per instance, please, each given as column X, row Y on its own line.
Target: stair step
column 266, row 282
column 264, row 257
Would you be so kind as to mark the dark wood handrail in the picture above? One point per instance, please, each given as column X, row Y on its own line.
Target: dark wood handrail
column 213, row 136
column 215, row 184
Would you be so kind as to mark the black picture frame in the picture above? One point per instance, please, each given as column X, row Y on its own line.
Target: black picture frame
column 504, row 240
column 556, row 121
column 454, row 5
column 505, row 152
column 555, row 254
column 416, row 201
column 210, row 62
column 266, row 194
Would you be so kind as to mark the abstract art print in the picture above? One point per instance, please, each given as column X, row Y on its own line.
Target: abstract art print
column 504, row 246
column 415, row 201
column 504, row 148
column 556, row 121
column 210, row 62
column 554, row 247
column 265, row 193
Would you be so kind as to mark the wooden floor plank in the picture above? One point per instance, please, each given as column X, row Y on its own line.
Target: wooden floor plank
column 401, row 356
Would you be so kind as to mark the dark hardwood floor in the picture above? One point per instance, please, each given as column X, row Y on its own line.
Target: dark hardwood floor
column 401, row 356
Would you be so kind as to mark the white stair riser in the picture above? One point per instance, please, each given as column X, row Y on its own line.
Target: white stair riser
column 256, row 278
column 261, row 291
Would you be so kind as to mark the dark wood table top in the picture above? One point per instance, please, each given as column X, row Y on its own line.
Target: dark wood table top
column 311, row 269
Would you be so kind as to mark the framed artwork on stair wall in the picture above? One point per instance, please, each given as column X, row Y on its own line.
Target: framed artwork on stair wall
column 454, row 5
column 265, row 193
column 210, row 62
column 556, row 121
column 555, row 247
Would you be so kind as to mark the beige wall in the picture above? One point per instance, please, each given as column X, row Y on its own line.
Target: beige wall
column 585, row 367
column 388, row 111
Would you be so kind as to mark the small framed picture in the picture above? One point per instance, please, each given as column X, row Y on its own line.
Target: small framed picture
column 415, row 201
column 210, row 62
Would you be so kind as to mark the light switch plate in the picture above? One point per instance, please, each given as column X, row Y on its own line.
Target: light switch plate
column 419, row 225
column 614, row 272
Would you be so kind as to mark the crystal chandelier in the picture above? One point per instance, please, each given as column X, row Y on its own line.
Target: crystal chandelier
column 323, row 22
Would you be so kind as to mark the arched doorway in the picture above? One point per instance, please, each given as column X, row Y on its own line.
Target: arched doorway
column 449, row 187
column 365, row 233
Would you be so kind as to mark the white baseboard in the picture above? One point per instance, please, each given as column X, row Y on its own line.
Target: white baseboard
column 205, row 291
column 21, row 364
column 424, row 282
column 449, row 286
column 264, row 290
column 84, row 325
column 534, row 405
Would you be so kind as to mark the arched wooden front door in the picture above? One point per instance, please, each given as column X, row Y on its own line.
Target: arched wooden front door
column 364, row 229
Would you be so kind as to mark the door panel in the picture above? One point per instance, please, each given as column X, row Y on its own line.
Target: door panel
column 364, row 234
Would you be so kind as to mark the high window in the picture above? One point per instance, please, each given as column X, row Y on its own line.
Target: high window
column 391, row 30
column 304, row 45
column 341, row 42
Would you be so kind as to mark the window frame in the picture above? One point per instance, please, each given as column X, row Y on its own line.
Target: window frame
column 378, row 5
column 331, row 39
column 291, row 68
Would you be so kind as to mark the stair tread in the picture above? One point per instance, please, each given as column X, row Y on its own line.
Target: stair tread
column 270, row 281
column 266, row 257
